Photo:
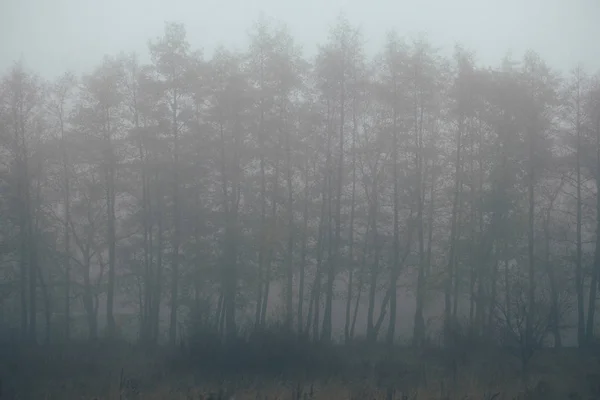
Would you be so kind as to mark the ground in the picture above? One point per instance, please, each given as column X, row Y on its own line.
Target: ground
column 119, row 371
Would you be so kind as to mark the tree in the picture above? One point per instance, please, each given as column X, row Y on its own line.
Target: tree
column 171, row 61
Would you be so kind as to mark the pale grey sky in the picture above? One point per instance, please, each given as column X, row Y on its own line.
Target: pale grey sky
column 52, row 36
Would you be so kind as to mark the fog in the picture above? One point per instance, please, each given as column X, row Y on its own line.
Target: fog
column 306, row 200
column 60, row 35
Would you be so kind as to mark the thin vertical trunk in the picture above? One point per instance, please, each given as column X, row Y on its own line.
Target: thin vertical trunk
column 67, row 224
column 336, row 260
column 554, row 315
column 290, row 243
column 225, row 288
column 111, row 239
column 35, row 254
column 453, row 230
column 231, row 200
column 258, row 318
column 530, row 247
column 88, row 299
column 88, row 295
column 146, row 310
column 314, row 304
column 394, row 270
column 47, row 306
column 22, row 181
column 270, row 239
column 300, row 316
column 578, row 268
column 371, row 334
column 419, row 327
column 351, row 229
column 474, row 264
column 325, row 232
column 493, row 296
column 596, row 266
column 157, row 295
column 430, row 218
column 176, row 228
column 361, row 279
column 32, row 259
column 483, row 274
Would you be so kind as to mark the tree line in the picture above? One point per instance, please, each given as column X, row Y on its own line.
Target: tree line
column 193, row 188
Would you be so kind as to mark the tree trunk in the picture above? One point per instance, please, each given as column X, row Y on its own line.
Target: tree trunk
column 290, row 243
column 578, row 268
column 351, row 229
column 530, row 248
column 176, row 228
column 300, row 316
column 453, row 232
column 333, row 264
column 596, row 266
column 371, row 335
column 419, row 323
column 157, row 295
column 66, row 226
column 394, row 270
column 111, row 239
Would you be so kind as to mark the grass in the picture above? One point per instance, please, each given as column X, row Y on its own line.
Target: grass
column 123, row 372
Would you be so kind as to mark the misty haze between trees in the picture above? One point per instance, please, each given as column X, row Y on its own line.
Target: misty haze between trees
column 405, row 198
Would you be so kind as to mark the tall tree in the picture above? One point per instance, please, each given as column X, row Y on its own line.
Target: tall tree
column 170, row 55
column 59, row 107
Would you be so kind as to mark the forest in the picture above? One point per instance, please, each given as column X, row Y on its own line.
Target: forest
column 260, row 209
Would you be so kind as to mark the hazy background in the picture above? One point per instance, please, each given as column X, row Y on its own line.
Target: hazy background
column 52, row 36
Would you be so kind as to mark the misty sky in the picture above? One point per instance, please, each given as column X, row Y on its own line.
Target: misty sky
column 52, row 36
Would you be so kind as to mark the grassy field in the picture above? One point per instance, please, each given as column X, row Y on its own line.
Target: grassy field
column 120, row 371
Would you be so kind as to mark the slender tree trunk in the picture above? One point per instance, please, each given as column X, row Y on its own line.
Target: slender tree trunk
column 35, row 253
column 554, row 315
column 419, row 323
column 270, row 241
column 111, row 239
column 300, row 317
column 596, row 266
column 32, row 258
column 493, row 298
column 290, row 243
column 66, row 225
column 351, row 230
column 453, row 230
column 578, row 267
column 314, row 305
column 474, row 276
column 88, row 298
column 22, row 181
column 394, row 270
column 258, row 318
column 334, row 263
column 157, row 295
column 371, row 334
column 176, row 227
column 430, row 218
column 147, row 225
column 361, row 281
column 530, row 247
column 483, row 273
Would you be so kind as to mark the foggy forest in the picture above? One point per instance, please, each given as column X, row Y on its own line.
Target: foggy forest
column 264, row 224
